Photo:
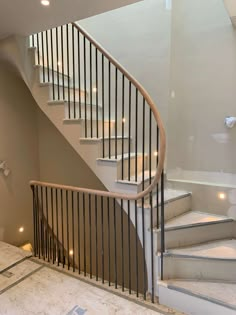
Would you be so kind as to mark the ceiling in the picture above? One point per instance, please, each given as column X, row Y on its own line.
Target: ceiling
column 24, row 17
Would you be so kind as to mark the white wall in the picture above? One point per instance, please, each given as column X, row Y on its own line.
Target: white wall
column 203, row 78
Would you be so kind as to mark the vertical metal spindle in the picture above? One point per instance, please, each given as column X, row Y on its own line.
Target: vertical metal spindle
column 42, row 43
column 103, row 114
column 162, row 225
column 157, row 189
column 91, row 90
column 116, row 110
column 136, row 136
column 143, row 217
column 78, row 218
column 109, row 107
column 129, row 246
column 42, row 218
column 47, row 234
column 123, row 125
column 57, row 228
column 79, row 69
column 96, row 74
column 90, row 238
column 34, row 219
column 52, row 217
column 57, row 54
column 136, row 248
column 62, row 229
column 84, row 223
column 115, row 237
column 96, row 236
column 129, row 146
column 102, row 226
column 62, row 63
column 47, row 52
column 85, row 86
column 38, row 53
column 73, row 228
column 68, row 68
column 32, row 40
column 109, row 241
column 67, row 231
column 73, row 62
column 52, row 60
column 122, row 248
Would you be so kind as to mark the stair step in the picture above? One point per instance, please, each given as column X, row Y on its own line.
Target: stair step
column 208, row 261
column 200, row 297
column 194, row 218
column 139, row 178
column 113, row 159
column 94, row 140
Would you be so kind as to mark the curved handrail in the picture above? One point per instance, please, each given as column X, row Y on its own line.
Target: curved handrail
column 162, row 148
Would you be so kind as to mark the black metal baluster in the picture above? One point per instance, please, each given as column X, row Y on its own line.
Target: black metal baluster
column 62, row 64
column 47, row 234
column 122, row 248
column 38, row 219
column 129, row 146
column 79, row 75
column 42, row 43
column 67, row 231
column 91, row 90
column 123, row 125
column 162, row 225
column 85, row 87
column 73, row 62
column 73, row 228
column 103, row 109
column 52, row 217
column 78, row 217
column 157, row 189
column 96, row 71
column 129, row 246
column 42, row 219
column 116, row 110
column 115, row 237
column 96, row 235
column 57, row 227
column 109, row 241
column 47, row 54
column 57, row 53
column 52, row 60
column 68, row 68
column 34, row 219
column 136, row 136
column 62, row 229
column 102, row 226
column 38, row 53
column 143, row 217
column 84, row 222
column 136, row 248
column 90, row 238
column 32, row 38
column 109, row 107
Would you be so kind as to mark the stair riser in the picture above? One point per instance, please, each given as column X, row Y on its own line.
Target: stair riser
column 176, row 267
column 190, row 304
column 132, row 168
column 196, row 235
column 93, row 132
column 68, row 94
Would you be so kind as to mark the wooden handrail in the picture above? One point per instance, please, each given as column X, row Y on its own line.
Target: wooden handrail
column 162, row 148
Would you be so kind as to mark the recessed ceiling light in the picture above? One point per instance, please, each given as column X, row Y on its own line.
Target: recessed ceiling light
column 45, row 2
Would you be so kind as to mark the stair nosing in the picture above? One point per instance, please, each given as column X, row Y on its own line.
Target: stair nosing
column 113, row 160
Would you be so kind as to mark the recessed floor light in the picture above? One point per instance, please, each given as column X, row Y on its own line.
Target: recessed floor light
column 45, row 2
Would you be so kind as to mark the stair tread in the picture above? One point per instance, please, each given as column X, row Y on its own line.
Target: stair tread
column 119, row 157
column 223, row 249
column 194, row 218
column 139, row 178
column 63, row 102
column 222, row 293
column 50, row 69
column 105, row 138
column 169, row 196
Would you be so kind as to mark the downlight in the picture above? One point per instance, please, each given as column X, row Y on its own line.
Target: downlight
column 45, row 2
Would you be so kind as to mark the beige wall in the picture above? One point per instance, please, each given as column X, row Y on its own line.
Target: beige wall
column 19, row 147
column 203, row 78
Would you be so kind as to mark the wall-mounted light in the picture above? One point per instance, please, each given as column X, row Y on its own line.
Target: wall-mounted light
column 21, row 229
column 222, row 195
column 123, row 120
column 95, row 90
column 4, row 168
column 71, row 252
column 155, row 153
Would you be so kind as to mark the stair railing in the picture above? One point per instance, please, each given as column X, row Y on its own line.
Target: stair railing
column 98, row 90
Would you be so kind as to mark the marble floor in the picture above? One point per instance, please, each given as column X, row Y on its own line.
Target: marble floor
column 30, row 288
